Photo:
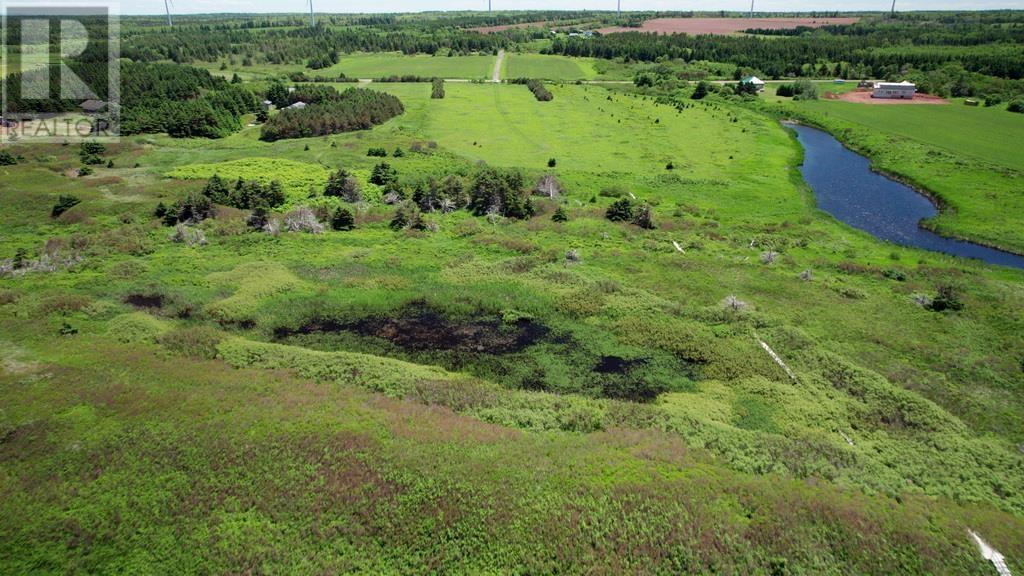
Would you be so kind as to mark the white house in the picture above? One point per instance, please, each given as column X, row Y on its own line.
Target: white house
column 755, row 81
column 297, row 106
column 895, row 90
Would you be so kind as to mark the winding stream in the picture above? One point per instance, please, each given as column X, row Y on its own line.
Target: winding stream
column 846, row 188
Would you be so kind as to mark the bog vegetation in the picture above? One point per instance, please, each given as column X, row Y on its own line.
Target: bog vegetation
column 257, row 336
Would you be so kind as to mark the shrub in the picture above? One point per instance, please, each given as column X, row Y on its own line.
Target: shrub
column 64, row 203
column 1016, row 106
column 437, row 89
column 303, row 220
column 560, row 215
column 620, row 211
column 7, row 159
column 189, row 236
column 548, row 186
column 377, row 152
column 702, row 90
column 947, row 298
column 198, row 342
column 192, row 209
column 408, row 217
column 552, row 162
column 343, row 185
column 644, row 217
column 383, row 174
column 342, row 219
column 136, row 327
column 258, row 219
column 540, row 92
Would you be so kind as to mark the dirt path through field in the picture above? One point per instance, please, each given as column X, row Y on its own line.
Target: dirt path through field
column 496, row 75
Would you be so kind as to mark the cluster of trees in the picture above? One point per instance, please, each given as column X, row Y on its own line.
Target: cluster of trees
column 182, row 101
column 802, row 89
column 353, row 109
column 626, row 210
column 536, row 86
column 322, row 61
column 343, row 185
column 437, row 89
column 300, row 45
column 245, row 194
column 192, row 209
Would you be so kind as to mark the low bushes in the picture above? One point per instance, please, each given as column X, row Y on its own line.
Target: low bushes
column 537, row 87
column 136, row 327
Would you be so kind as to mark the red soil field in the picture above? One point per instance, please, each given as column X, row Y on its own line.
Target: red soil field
column 727, row 25
column 865, row 98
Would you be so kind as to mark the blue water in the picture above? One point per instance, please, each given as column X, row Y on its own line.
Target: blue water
column 846, row 188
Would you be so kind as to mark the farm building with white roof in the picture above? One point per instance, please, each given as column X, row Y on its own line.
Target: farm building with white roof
column 895, row 90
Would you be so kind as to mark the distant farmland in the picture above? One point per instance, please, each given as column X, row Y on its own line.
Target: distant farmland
column 727, row 25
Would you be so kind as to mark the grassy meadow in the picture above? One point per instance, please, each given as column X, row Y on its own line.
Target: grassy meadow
column 253, row 404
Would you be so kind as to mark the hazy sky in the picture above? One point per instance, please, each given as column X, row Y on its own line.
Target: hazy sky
column 208, row 6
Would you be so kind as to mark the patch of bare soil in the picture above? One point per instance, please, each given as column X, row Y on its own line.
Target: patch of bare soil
column 425, row 330
column 864, row 97
column 723, row 26
column 145, row 301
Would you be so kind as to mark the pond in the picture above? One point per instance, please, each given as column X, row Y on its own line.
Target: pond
column 846, row 188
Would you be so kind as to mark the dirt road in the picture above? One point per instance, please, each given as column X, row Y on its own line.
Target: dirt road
column 496, row 75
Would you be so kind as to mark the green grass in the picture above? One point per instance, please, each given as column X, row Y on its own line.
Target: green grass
column 963, row 155
column 547, row 67
column 382, row 65
column 343, row 452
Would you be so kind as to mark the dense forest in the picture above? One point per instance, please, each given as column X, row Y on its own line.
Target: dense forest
column 353, row 109
column 182, row 101
column 301, row 44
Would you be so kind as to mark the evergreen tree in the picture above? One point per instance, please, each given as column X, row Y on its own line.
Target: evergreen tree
column 342, row 219
column 620, row 211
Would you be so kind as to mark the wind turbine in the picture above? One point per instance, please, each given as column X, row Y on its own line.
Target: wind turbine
column 167, row 8
column 619, row 9
column 488, row 6
column 752, row 8
column 312, row 17
column 893, row 14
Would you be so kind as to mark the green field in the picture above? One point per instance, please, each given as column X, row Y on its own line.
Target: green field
column 963, row 155
column 382, row 65
column 547, row 67
column 253, row 404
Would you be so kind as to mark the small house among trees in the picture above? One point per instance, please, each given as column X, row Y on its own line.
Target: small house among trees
column 753, row 82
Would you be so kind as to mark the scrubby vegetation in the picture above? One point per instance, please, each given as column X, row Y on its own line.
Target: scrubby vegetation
column 327, row 351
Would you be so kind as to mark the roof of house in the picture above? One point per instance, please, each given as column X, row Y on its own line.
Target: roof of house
column 93, row 105
column 903, row 84
column 299, row 105
column 752, row 80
